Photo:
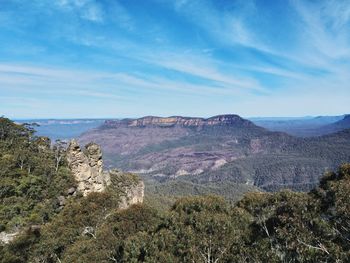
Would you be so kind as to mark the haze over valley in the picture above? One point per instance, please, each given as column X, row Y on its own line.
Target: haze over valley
column 180, row 131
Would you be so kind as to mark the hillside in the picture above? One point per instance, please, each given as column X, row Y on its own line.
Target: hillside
column 38, row 179
column 32, row 177
column 221, row 148
column 262, row 227
column 336, row 126
column 128, row 143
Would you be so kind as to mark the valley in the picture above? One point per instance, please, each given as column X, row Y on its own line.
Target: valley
column 159, row 131
column 62, row 129
column 60, row 205
column 224, row 148
column 305, row 126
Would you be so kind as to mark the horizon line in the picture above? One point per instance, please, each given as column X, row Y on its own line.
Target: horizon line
column 168, row 116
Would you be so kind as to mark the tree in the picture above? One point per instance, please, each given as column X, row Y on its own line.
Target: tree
column 59, row 149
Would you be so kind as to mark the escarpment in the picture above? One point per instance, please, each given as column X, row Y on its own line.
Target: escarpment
column 153, row 121
column 87, row 168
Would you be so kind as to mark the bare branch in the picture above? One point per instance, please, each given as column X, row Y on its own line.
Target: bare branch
column 319, row 247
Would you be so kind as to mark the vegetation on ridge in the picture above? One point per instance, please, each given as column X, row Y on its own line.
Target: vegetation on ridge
column 32, row 176
column 263, row 227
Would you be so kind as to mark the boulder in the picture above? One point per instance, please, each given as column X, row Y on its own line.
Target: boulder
column 71, row 191
column 61, row 200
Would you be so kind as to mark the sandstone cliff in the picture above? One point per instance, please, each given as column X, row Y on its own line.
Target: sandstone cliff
column 129, row 188
column 229, row 119
column 87, row 168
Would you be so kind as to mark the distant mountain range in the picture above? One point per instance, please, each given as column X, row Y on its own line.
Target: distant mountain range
column 305, row 126
column 224, row 148
column 297, row 126
column 336, row 126
column 192, row 154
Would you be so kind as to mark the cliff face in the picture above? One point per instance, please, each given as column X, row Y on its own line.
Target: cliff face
column 231, row 119
column 87, row 168
column 129, row 188
column 133, row 195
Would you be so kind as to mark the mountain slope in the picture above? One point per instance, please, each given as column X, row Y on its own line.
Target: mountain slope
column 337, row 126
column 218, row 149
column 178, row 146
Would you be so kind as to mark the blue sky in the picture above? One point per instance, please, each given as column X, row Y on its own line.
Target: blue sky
column 130, row 58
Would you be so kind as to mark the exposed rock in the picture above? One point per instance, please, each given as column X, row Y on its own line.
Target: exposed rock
column 130, row 188
column 181, row 172
column 229, row 119
column 61, row 200
column 133, row 195
column 94, row 154
column 71, row 191
column 218, row 163
column 87, row 168
column 255, row 145
column 88, row 231
column 7, row 237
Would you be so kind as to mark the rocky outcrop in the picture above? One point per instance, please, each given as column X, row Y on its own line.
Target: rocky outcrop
column 133, row 195
column 6, row 238
column 87, row 168
column 130, row 188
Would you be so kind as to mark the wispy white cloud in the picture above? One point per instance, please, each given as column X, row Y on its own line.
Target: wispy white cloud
column 321, row 31
column 97, row 84
column 104, row 51
column 204, row 68
column 322, row 24
column 225, row 26
column 87, row 9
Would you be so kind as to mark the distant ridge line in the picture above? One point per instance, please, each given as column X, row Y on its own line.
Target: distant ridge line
column 226, row 119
